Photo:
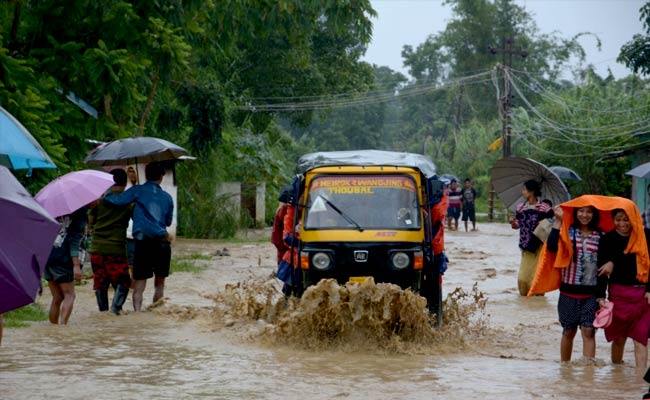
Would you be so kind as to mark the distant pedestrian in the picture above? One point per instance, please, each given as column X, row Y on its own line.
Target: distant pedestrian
column 453, row 211
column 152, row 215
column 468, row 202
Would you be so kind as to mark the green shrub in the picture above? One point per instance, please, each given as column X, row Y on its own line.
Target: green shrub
column 22, row 316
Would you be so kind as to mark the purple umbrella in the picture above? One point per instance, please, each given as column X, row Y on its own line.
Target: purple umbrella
column 27, row 232
column 70, row 192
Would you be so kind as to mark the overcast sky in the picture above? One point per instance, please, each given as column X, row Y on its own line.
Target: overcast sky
column 401, row 22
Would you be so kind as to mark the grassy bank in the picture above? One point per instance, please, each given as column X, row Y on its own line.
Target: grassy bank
column 23, row 316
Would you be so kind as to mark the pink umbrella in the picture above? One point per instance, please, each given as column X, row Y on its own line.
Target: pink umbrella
column 70, row 192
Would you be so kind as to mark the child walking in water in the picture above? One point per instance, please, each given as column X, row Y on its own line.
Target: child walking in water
column 579, row 288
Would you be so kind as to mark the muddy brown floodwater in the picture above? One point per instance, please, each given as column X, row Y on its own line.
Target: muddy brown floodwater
column 226, row 333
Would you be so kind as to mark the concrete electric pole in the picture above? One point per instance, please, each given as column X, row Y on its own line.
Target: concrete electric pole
column 504, row 102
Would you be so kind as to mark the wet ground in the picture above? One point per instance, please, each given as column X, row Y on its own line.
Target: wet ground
column 221, row 334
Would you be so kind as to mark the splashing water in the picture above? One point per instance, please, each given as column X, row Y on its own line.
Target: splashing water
column 353, row 317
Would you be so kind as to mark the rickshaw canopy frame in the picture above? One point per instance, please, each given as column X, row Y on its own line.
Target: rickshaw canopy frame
column 367, row 157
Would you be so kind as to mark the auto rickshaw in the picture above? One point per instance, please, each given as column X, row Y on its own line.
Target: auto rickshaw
column 368, row 214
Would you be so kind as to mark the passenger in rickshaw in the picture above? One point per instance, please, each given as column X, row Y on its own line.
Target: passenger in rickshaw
column 438, row 215
column 288, row 270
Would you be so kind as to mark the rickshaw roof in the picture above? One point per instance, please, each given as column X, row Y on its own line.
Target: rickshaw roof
column 367, row 157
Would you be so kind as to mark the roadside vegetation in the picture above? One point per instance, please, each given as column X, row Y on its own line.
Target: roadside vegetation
column 23, row 316
column 249, row 86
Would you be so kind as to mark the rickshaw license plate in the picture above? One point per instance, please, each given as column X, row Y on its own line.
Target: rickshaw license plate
column 358, row 279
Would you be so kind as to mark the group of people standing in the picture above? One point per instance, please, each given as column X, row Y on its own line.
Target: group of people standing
column 596, row 254
column 461, row 199
column 150, row 208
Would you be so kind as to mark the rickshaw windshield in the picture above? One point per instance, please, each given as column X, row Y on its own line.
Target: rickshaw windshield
column 362, row 201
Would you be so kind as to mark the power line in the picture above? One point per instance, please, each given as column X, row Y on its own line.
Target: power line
column 338, row 101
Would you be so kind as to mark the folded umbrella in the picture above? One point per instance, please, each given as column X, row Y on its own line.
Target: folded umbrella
column 27, row 232
column 70, row 192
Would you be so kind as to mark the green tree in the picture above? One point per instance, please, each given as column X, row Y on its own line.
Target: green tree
column 635, row 54
column 586, row 128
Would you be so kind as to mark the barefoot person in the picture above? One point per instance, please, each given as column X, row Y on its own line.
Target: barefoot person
column 151, row 216
column 453, row 210
column 468, row 199
column 623, row 253
column 528, row 215
column 580, row 287
column 63, row 266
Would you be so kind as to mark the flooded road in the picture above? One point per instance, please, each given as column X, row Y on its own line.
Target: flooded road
column 201, row 344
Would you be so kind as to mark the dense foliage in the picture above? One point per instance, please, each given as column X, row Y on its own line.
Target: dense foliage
column 249, row 85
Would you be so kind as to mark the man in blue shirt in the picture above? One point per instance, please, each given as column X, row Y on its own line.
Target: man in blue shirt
column 151, row 216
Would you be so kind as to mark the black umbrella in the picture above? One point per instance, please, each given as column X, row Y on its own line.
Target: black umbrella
column 565, row 173
column 135, row 150
column 509, row 175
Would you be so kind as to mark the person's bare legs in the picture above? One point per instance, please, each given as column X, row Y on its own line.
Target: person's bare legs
column 55, row 304
column 138, row 292
column 566, row 344
column 68, row 301
column 640, row 357
column 588, row 342
column 159, row 288
column 618, row 347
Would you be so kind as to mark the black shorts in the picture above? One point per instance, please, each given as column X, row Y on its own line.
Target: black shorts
column 469, row 212
column 152, row 257
column 130, row 250
column 574, row 312
column 59, row 273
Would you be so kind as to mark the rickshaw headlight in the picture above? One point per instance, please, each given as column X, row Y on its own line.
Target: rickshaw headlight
column 321, row 261
column 400, row 260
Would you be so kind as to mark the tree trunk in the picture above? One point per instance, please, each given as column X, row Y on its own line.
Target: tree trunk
column 14, row 26
column 107, row 106
column 459, row 101
column 147, row 108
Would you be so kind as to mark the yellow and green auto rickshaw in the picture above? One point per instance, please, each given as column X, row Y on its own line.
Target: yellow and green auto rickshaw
column 367, row 214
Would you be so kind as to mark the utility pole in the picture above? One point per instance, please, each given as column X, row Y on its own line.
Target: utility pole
column 505, row 102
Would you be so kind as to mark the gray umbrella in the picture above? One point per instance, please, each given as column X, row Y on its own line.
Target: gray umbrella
column 640, row 171
column 135, row 150
column 565, row 173
column 449, row 177
column 509, row 175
